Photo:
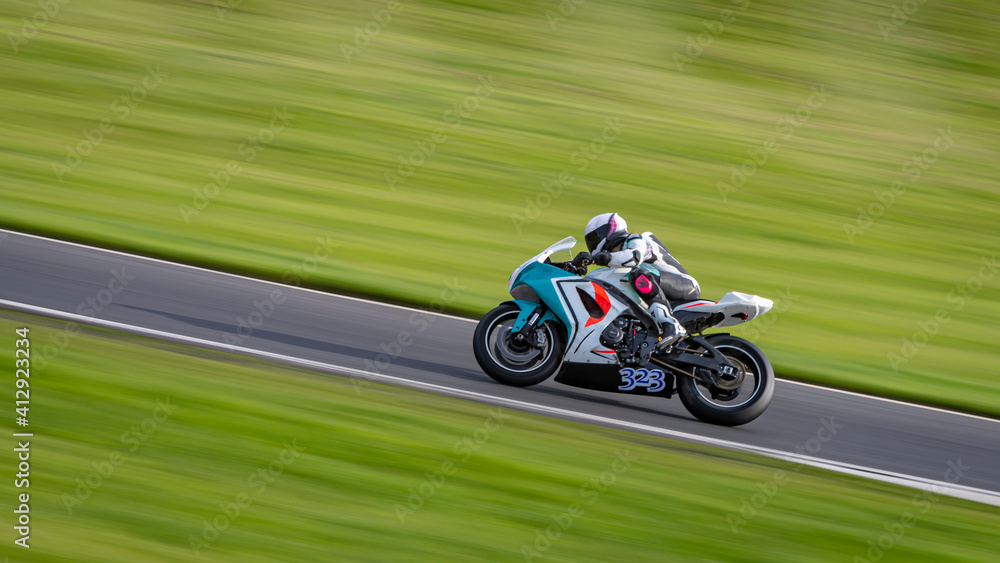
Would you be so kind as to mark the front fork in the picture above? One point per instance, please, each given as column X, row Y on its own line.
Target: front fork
column 532, row 316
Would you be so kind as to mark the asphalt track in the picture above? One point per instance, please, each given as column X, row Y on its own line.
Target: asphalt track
column 847, row 432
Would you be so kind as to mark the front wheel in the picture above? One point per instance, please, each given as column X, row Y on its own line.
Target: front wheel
column 510, row 360
column 746, row 395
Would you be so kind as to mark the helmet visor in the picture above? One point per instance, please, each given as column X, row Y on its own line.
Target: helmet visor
column 594, row 238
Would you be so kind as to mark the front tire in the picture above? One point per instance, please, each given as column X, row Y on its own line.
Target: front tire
column 735, row 406
column 510, row 362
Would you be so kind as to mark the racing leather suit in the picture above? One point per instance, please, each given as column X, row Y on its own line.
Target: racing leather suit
column 675, row 283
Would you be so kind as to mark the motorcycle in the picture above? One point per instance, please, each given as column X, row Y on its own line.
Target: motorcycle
column 594, row 332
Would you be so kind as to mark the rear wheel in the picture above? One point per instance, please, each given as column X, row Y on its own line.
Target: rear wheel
column 511, row 360
column 739, row 398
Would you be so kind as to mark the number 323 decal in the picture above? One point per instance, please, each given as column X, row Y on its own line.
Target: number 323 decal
column 651, row 379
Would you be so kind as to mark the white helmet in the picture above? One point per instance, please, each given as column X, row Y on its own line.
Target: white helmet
column 600, row 228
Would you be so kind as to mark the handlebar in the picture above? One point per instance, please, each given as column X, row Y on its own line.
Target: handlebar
column 578, row 265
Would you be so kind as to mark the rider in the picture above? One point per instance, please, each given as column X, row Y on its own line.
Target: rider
column 656, row 275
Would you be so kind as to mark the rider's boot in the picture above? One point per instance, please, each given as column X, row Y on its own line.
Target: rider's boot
column 671, row 331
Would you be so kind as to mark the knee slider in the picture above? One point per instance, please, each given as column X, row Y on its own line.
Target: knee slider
column 645, row 281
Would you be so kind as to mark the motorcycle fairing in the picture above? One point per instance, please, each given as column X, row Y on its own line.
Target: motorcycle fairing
column 540, row 277
column 527, row 308
column 735, row 307
column 584, row 307
column 592, row 308
column 610, row 378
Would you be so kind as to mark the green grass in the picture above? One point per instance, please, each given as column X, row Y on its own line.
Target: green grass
column 456, row 215
column 364, row 453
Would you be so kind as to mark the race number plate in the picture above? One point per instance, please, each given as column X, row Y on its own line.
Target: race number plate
column 651, row 379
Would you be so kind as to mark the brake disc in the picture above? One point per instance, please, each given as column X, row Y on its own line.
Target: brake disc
column 516, row 352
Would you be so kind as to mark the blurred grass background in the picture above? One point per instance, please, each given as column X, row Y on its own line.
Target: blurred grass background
column 362, row 455
column 851, row 304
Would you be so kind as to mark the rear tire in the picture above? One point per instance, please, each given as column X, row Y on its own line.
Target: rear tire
column 512, row 363
column 697, row 396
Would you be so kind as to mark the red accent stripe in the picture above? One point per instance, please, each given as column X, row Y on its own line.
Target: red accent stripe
column 697, row 304
column 605, row 351
column 603, row 302
column 602, row 298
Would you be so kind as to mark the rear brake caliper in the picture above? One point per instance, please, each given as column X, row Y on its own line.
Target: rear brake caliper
column 730, row 378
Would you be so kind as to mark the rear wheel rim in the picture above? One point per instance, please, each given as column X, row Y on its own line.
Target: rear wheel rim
column 512, row 356
column 753, row 380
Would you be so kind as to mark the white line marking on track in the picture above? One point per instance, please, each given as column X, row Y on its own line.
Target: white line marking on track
column 413, row 309
column 938, row 487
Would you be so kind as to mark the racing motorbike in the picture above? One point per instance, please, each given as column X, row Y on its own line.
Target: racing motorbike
column 593, row 331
